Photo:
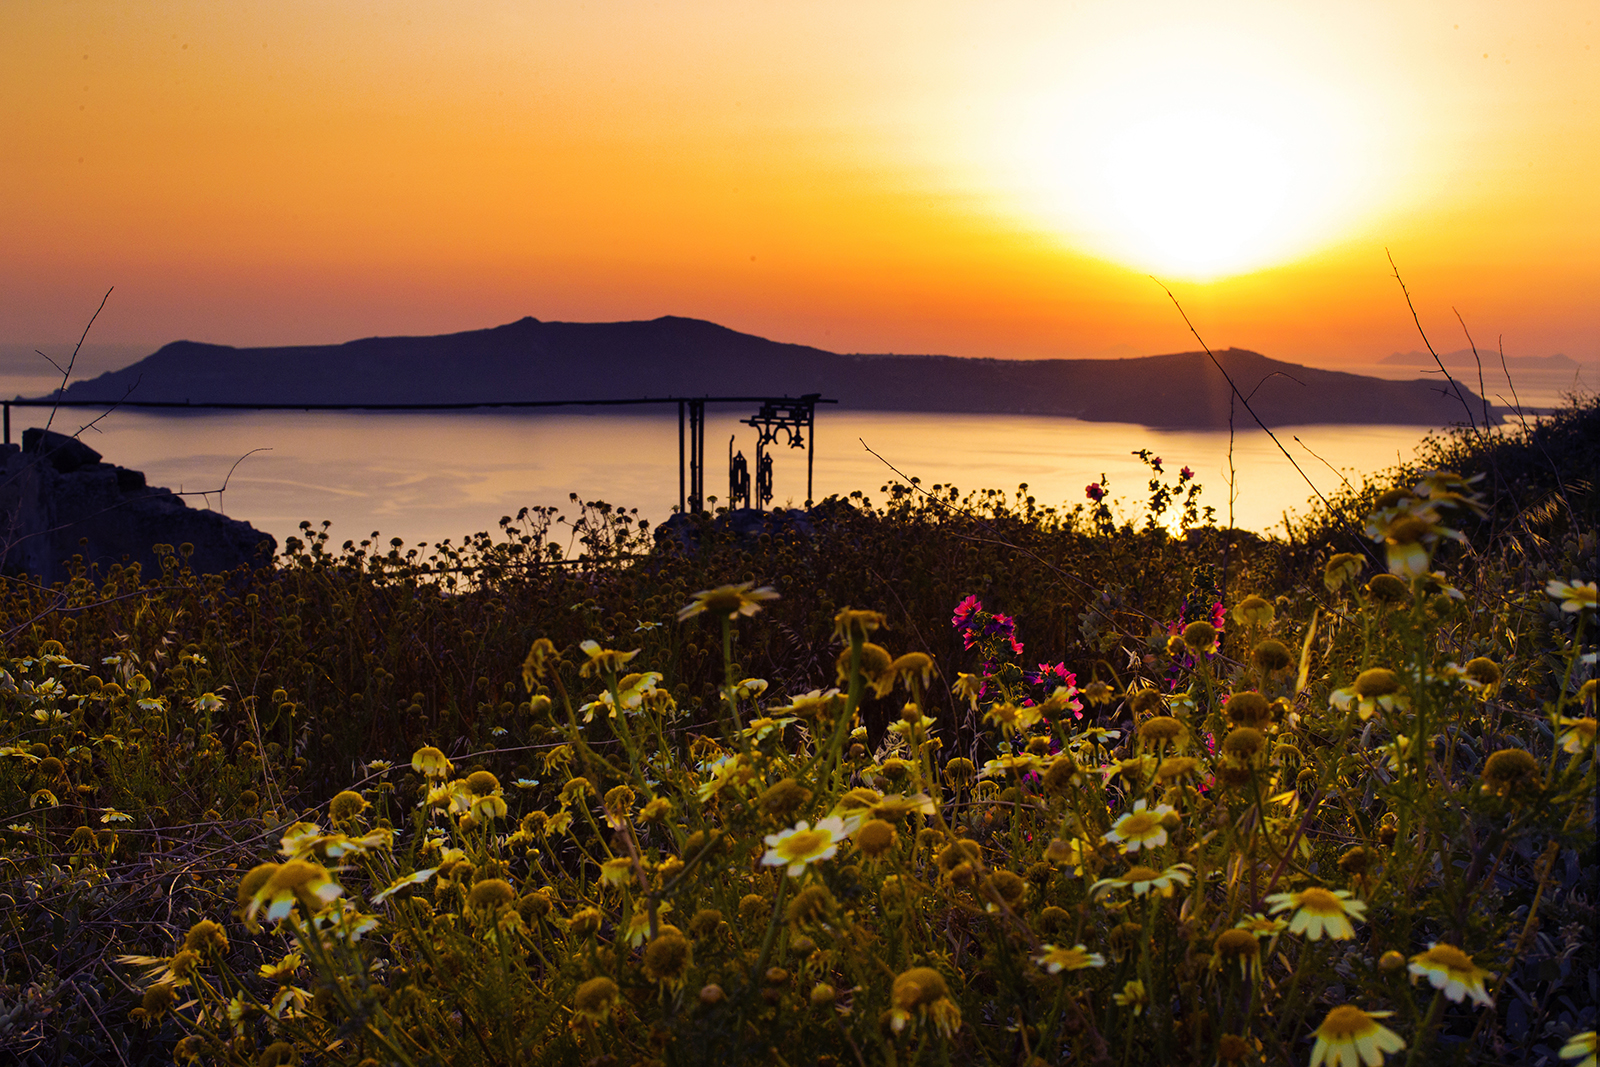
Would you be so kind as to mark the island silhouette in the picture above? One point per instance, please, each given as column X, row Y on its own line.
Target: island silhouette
column 530, row 360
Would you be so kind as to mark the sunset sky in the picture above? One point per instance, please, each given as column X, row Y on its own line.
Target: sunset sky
column 983, row 179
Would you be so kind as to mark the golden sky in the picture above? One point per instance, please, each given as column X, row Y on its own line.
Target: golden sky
column 986, row 179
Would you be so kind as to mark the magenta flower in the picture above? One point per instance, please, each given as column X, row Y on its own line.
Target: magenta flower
column 965, row 611
column 1095, row 491
column 1186, row 474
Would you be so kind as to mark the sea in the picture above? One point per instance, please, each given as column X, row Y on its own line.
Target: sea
column 425, row 478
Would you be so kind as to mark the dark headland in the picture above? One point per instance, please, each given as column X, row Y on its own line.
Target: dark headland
column 673, row 356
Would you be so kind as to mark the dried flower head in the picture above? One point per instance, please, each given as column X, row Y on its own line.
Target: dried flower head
column 1244, row 742
column 876, row 837
column 490, row 895
column 1200, row 637
column 1272, row 656
column 1253, row 611
column 206, row 936
column 1388, row 589
column 1162, row 729
column 346, row 805
column 1481, row 673
column 1510, row 771
column 1236, row 946
column 1340, row 569
column 595, row 1000
column 667, row 959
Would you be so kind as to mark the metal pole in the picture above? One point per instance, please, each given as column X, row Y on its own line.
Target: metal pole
column 682, row 500
column 8, row 424
column 811, row 448
column 702, row 455
column 697, row 480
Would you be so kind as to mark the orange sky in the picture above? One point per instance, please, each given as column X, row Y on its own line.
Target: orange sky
column 970, row 178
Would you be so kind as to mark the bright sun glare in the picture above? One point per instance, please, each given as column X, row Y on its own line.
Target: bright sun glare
column 1191, row 170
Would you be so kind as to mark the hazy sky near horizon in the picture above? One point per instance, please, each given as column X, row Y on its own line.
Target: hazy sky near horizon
column 982, row 179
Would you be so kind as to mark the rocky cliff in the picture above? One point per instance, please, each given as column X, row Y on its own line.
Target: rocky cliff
column 58, row 499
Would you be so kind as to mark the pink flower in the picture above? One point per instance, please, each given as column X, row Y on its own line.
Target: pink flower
column 964, row 612
column 1186, row 474
column 1095, row 491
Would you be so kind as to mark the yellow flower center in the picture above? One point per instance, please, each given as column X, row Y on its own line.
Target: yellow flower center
column 1346, row 1023
column 1322, row 902
column 1449, row 957
column 805, row 842
column 1377, row 682
column 1140, row 874
column 1139, row 824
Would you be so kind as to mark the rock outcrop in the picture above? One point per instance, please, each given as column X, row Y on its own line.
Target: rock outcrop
column 58, row 499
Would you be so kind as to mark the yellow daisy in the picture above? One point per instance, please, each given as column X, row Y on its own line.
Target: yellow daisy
column 968, row 687
column 1140, row 828
column 1012, row 718
column 1143, row 879
column 602, row 661
column 819, row 703
column 430, row 762
column 1318, row 911
column 923, row 991
column 1021, row 763
column 414, row 878
column 1133, row 996
column 1055, row 960
column 1581, row 1047
column 1452, row 971
column 1579, row 734
column 728, row 601
column 1261, row 926
column 1574, row 596
column 617, row 871
column 1377, row 687
column 1350, row 1037
column 632, row 691
column 294, row 881
column 804, row 844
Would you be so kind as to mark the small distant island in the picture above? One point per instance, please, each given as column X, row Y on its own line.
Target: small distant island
column 1489, row 358
column 675, row 356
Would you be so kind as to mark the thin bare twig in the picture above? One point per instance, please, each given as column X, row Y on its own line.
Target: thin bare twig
column 1246, row 402
column 1417, row 319
column 67, row 373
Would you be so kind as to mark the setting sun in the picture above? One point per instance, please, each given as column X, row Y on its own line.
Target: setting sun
column 1196, row 158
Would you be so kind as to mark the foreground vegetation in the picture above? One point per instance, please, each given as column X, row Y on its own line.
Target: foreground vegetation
column 946, row 779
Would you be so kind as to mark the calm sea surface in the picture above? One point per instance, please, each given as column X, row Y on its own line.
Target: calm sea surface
column 427, row 477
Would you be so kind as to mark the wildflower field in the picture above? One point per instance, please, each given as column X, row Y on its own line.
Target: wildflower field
column 944, row 779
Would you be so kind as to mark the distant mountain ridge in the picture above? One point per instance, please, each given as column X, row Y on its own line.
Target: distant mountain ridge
column 674, row 356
